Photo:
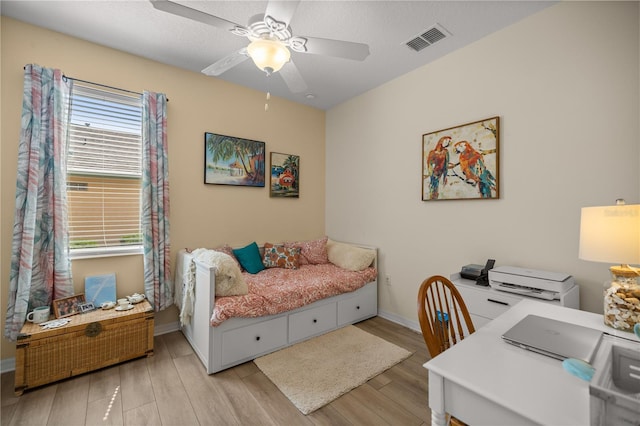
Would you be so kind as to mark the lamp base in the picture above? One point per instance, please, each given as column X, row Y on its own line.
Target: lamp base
column 622, row 299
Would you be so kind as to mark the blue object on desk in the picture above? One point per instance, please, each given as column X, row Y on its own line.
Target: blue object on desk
column 579, row 368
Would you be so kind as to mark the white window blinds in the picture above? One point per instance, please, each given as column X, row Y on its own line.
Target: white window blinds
column 104, row 170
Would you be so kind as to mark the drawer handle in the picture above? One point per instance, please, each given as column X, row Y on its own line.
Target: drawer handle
column 315, row 320
column 257, row 338
column 499, row 302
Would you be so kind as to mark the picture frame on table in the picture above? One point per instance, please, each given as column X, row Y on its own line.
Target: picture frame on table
column 230, row 160
column 99, row 289
column 462, row 162
column 285, row 176
column 68, row 306
column 86, row 307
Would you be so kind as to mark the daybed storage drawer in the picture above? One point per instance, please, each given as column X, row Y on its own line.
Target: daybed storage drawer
column 362, row 305
column 312, row 321
column 253, row 340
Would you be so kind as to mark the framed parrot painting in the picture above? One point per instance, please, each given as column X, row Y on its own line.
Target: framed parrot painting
column 462, row 162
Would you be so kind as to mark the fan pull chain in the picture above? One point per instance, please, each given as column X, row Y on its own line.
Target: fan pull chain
column 268, row 91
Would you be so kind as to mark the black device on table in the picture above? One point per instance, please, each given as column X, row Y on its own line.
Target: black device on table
column 478, row 273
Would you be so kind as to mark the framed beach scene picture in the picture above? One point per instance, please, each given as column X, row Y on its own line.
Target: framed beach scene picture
column 230, row 160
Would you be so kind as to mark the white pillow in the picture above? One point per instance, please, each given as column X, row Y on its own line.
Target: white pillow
column 348, row 256
column 229, row 279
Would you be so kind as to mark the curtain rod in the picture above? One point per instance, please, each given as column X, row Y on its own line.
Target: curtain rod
column 101, row 85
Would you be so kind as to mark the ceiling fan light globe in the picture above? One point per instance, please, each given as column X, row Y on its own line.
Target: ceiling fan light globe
column 268, row 54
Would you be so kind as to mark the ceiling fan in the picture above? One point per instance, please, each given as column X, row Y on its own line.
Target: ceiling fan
column 271, row 38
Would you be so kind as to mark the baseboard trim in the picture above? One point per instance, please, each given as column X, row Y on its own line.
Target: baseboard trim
column 166, row 328
column 7, row 365
column 413, row 325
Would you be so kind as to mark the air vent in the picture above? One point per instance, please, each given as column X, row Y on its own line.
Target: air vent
column 427, row 38
column 418, row 44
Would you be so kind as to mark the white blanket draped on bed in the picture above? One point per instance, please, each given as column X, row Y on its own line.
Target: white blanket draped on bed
column 229, row 280
column 188, row 269
column 182, row 269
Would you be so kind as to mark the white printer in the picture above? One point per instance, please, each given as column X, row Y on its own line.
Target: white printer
column 530, row 282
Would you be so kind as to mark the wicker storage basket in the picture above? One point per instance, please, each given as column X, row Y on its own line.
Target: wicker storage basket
column 90, row 341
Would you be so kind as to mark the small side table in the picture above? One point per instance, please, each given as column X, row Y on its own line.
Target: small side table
column 90, row 341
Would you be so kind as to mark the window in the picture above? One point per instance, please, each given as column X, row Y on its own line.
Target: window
column 104, row 171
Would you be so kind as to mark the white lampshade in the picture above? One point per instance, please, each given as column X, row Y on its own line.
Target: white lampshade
column 610, row 234
column 268, row 55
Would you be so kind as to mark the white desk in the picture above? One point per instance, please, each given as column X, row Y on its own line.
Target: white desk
column 485, row 381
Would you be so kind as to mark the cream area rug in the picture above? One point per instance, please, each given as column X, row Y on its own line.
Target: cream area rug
column 315, row 372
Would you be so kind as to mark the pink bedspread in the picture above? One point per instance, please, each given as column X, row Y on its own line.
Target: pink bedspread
column 277, row 290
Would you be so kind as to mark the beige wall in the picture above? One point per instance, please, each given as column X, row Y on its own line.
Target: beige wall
column 565, row 83
column 201, row 215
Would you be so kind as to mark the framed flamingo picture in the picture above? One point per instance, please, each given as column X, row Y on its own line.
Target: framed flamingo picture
column 285, row 175
column 230, row 160
column 462, row 162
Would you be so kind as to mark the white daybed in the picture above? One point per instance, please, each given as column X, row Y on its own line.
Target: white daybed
column 240, row 339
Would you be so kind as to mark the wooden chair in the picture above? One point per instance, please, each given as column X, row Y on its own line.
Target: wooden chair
column 443, row 315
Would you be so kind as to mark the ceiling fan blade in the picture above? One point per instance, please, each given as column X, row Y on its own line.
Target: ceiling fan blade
column 196, row 15
column 226, row 63
column 292, row 77
column 325, row 46
column 282, row 11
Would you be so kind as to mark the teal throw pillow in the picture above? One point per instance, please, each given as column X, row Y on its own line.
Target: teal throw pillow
column 249, row 258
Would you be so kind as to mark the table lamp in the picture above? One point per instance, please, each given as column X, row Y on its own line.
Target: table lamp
column 611, row 234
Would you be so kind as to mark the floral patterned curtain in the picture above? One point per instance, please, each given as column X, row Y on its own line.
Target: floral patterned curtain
column 40, row 263
column 155, row 201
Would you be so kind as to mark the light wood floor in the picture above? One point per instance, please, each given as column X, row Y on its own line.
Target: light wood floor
column 172, row 388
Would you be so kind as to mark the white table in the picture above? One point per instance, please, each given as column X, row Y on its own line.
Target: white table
column 486, row 381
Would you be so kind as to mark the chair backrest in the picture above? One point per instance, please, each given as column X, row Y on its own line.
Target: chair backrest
column 443, row 315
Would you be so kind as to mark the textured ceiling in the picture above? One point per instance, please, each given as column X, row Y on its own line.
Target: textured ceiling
column 135, row 26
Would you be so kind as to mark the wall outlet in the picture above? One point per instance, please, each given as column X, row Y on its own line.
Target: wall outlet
column 387, row 279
